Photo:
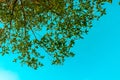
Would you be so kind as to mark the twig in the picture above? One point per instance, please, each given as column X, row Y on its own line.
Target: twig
column 33, row 32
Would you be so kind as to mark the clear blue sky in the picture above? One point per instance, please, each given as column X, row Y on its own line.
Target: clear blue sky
column 97, row 56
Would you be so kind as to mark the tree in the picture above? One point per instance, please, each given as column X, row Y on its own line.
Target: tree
column 63, row 21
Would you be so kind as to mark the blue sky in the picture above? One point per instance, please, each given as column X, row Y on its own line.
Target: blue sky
column 97, row 56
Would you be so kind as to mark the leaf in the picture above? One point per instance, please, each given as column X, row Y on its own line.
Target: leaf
column 71, row 54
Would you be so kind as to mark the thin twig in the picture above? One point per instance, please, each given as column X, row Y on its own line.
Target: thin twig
column 33, row 33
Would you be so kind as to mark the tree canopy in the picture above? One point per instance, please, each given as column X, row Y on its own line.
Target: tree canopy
column 63, row 21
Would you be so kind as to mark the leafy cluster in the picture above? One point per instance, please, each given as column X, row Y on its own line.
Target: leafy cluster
column 64, row 21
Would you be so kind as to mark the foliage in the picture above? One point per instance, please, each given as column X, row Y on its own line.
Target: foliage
column 64, row 21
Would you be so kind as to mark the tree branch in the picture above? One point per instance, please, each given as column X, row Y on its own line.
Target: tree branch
column 22, row 6
column 12, row 11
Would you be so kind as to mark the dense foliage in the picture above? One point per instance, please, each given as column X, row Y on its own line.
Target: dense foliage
column 60, row 21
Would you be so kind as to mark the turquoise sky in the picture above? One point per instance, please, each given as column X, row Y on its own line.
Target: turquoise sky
column 97, row 56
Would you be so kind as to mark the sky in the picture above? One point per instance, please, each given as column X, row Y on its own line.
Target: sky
column 97, row 56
